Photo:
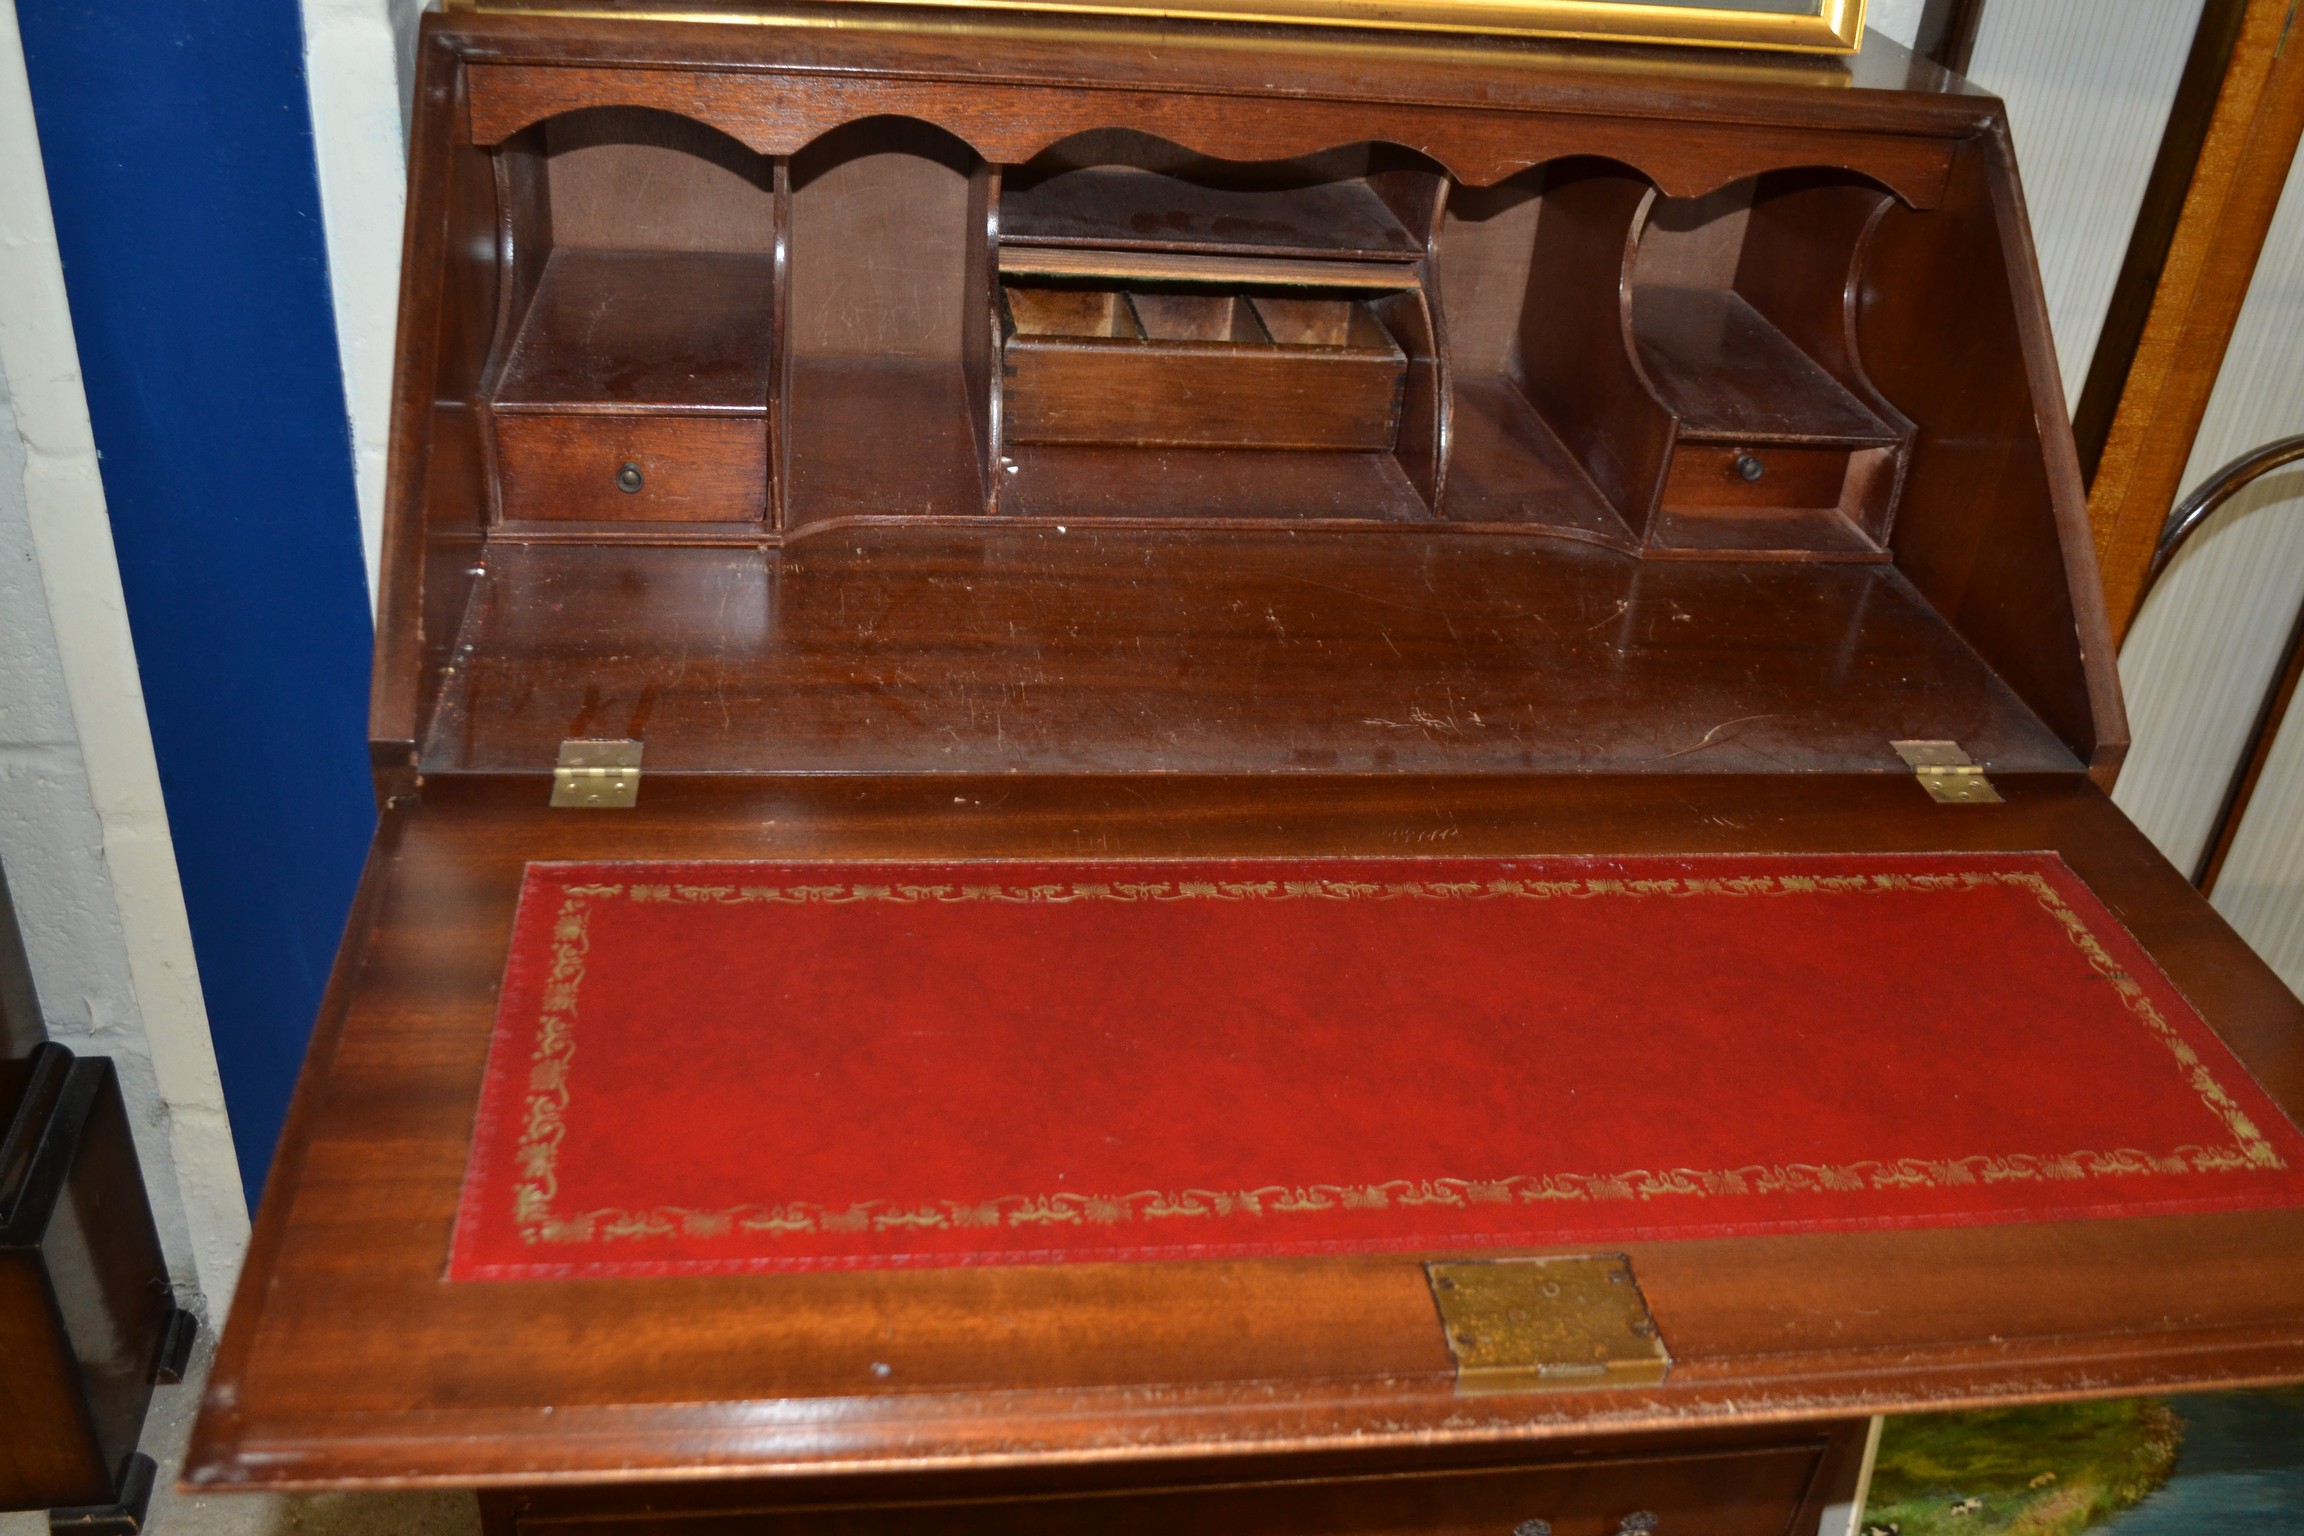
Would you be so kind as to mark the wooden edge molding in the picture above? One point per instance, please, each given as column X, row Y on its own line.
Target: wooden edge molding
column 2235, row 189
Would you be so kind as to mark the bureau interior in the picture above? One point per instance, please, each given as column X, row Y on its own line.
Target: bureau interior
column 746, row 408
column 696, row 342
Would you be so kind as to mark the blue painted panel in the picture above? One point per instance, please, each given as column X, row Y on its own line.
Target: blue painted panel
column 178, row 142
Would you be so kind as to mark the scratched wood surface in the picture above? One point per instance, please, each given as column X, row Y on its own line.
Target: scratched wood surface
column 1087, row 649
column 349, row 1357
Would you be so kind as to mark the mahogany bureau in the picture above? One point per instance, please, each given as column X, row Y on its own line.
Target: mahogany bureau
column 892, row 433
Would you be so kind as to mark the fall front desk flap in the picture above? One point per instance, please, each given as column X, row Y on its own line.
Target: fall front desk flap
column 754, row 1067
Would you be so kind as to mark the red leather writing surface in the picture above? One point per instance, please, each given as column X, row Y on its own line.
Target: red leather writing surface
column 736, row 1066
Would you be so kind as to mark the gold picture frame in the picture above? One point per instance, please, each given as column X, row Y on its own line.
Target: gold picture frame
column 1796, row 26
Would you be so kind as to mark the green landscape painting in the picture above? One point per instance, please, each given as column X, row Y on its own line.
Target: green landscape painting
column 2228, row 1464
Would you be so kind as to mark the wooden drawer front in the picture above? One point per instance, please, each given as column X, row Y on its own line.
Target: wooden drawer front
column 1706, row 475
column 557, row 468
column 1199, row 371
column 1745, row 1493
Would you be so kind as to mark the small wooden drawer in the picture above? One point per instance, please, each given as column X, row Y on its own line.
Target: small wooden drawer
column 1740, row 1493
column 1744, row 477
column 560, row 467
column 1198, row 370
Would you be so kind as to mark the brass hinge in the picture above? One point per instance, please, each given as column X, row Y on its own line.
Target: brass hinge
column 1522, row 1325
column 597, row 775
column 1949, row 775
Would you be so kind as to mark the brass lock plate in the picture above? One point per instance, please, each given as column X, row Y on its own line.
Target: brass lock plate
column 1524, row 1325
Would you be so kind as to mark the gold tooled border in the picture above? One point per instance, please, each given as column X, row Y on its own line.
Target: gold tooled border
column 544, row 1124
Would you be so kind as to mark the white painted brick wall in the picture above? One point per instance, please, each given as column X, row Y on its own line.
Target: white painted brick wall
column 359, row 61
column 83, row 829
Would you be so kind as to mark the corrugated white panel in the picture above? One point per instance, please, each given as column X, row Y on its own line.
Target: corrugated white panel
column 2088, row 85
column 2261, row 890
column 2201, row 655
column 360, row 67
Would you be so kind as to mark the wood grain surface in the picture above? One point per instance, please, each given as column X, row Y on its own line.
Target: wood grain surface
column 570, row 468
column 1075, row 648
column 350, row 1358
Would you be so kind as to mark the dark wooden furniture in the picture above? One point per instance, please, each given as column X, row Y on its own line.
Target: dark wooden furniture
column 941, row 436
column 88, row 1322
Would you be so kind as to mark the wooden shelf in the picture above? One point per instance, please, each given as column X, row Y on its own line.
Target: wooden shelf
column 845, row 465
column 1509, row 468
column 1221, row 269
column 660, row 330
column 1729, row 375
column 1207, row 485
column 1808, row 533
column 1144, row 210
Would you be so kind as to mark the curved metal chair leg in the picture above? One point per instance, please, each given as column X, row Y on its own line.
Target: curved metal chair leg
column 2189, row 516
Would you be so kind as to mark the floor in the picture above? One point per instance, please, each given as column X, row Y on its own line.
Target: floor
column 239, row 1514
